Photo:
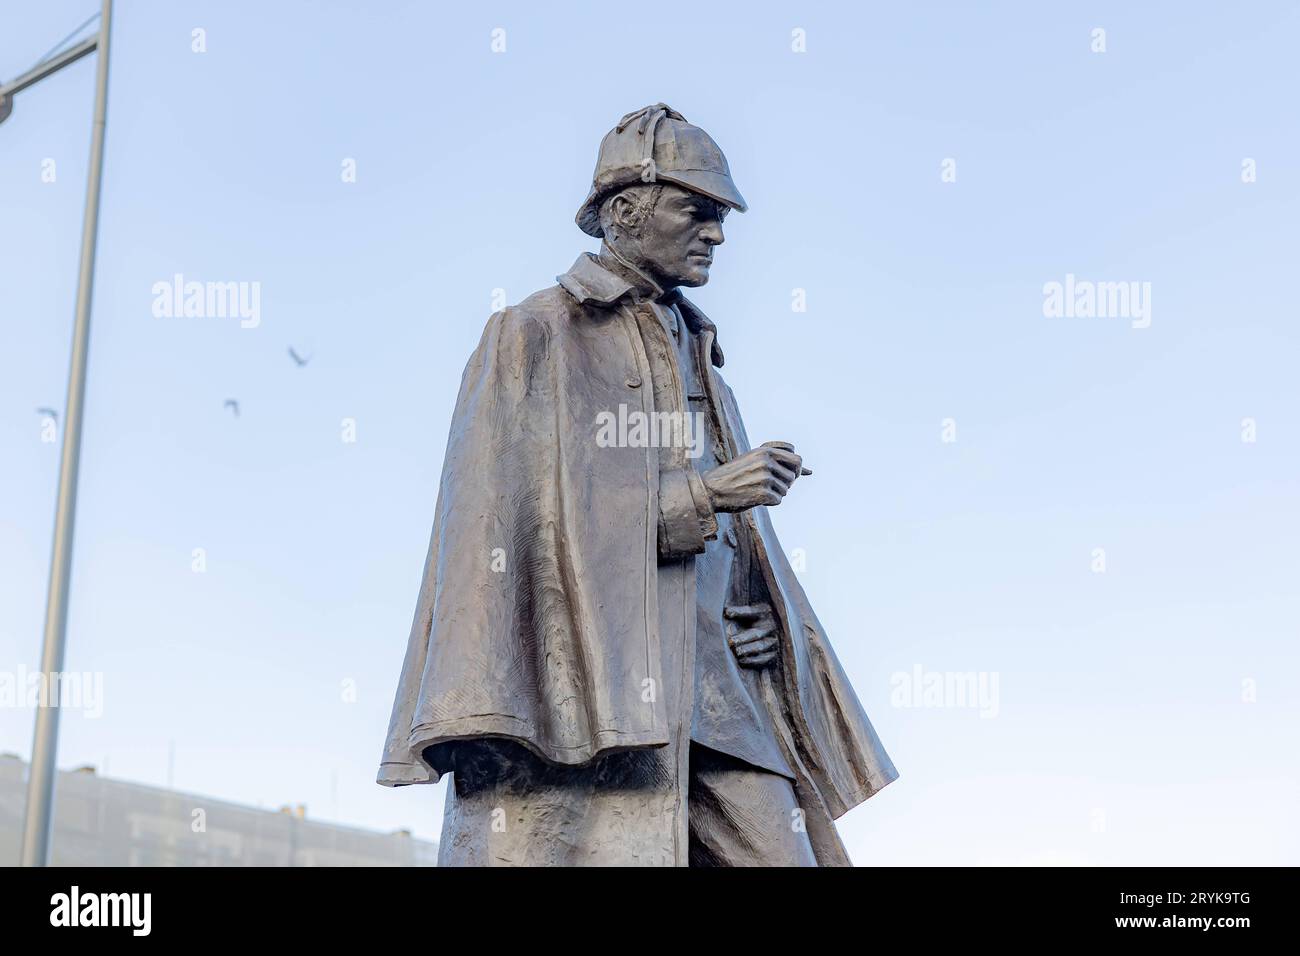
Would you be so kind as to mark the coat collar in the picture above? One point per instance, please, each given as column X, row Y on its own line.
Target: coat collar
column 597, row 281
column 591, row 282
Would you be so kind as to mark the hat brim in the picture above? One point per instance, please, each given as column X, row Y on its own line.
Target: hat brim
column 714, row 185
column 717, row 186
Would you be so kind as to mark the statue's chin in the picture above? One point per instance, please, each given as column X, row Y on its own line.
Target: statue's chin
column 695, row 277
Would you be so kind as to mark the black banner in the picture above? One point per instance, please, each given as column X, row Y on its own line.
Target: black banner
column 970, row 907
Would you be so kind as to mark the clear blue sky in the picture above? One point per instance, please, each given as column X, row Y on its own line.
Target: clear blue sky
column 1120, row 694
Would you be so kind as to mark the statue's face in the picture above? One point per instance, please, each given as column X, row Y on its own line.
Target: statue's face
column 675, row 243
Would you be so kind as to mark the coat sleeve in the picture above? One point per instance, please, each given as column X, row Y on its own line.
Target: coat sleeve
column 686, row 518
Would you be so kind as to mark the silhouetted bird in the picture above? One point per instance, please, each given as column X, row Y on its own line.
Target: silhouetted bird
column 48, row 413
column 232, row 405
column 298, row 358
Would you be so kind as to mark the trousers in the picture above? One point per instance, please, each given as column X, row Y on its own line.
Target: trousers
column 740, row 815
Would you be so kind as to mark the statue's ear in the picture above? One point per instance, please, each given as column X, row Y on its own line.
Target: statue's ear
column 625, row 212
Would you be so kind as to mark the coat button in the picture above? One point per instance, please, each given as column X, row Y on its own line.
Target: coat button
column 633, row 381
column 730, row 536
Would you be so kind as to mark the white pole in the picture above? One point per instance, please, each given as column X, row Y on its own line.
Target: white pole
column 45, row 741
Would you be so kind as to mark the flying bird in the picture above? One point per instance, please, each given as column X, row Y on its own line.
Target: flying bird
column 232, row 405
column 298, row 359
column 48, row 413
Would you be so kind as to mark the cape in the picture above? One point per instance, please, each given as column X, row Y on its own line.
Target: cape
column 537, row 618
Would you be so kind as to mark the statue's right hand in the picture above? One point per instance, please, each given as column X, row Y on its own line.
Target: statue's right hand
column 758, row 477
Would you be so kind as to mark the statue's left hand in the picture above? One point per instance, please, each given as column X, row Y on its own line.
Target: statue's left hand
column 753, row 637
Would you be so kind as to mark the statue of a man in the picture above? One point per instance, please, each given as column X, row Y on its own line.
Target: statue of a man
column 611, row 653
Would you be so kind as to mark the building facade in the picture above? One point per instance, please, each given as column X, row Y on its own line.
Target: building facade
column 104, row 822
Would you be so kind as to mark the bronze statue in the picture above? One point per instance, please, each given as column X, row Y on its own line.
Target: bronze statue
column 611, row 654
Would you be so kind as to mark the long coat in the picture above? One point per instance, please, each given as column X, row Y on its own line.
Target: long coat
column 538, row 621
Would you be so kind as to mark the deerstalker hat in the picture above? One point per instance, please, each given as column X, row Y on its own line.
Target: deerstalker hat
column 656, row 144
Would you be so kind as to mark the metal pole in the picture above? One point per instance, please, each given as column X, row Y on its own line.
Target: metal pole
column 50, row 66
column 45, row 741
